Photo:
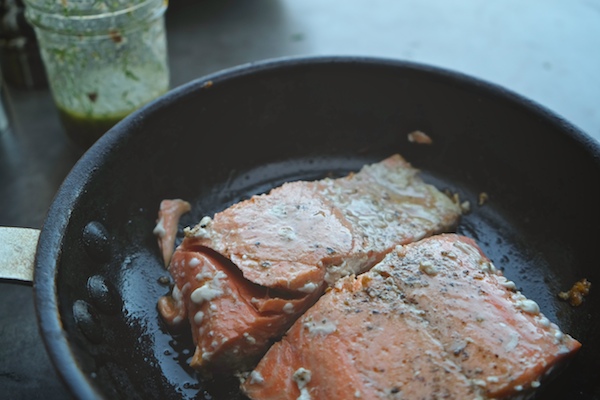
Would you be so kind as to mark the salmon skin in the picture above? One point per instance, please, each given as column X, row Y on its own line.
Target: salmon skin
column 434, row 320
column 243, row 276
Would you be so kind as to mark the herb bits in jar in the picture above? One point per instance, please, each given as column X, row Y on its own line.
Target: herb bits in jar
column 104, row 59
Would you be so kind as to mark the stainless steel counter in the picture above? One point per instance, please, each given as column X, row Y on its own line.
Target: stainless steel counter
column 546, row 50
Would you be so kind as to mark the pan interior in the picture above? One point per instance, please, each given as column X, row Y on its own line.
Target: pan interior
column 254, row 128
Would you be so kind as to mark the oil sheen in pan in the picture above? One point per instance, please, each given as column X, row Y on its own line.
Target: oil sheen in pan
column 142, row 279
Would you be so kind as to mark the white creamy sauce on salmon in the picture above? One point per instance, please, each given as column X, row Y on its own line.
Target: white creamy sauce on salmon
column 302, row 377
column 288, row 308
column 308, row 287
column 202, row 230
column 529, row 306
column 198, row 317
column 159, row 230
column 348, row 267
column 256, row 377
column 322, row 327
column 249, row 338
column 210, row 290
column 194, row 262
column 287, row 233
column 512, row 343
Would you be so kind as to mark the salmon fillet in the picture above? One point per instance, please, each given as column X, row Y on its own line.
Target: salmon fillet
column 434, row 319
column 166, row 226
column 243, row 276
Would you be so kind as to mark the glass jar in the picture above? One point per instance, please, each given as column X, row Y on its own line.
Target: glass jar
column 103, row 58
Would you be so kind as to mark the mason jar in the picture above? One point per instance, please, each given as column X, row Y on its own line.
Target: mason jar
column 103, row 59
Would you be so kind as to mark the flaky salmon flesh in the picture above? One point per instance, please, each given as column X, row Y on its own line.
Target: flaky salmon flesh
column 433, row 320
column 244, row 275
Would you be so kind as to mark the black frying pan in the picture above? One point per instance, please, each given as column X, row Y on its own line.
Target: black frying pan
column 223, row 138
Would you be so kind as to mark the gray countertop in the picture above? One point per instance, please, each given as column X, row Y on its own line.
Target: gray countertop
column 545, row 50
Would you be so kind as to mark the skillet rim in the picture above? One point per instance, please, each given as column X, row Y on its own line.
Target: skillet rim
column 52, row 234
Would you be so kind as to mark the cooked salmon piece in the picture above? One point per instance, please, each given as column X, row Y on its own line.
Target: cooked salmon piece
column 274, row 254
column 169, row 213
column 302, row 232
column 435, row 319
column 222, row 306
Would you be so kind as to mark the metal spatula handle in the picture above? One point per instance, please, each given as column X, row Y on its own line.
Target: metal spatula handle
column 17, row 252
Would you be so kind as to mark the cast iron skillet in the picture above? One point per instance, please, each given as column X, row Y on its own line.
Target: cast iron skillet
column 222, row 138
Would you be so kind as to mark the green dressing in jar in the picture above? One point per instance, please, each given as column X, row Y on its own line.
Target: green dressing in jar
column 104, row 59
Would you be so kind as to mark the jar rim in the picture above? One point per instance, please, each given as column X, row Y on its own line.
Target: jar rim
column 73, row 20
column 90, row 8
